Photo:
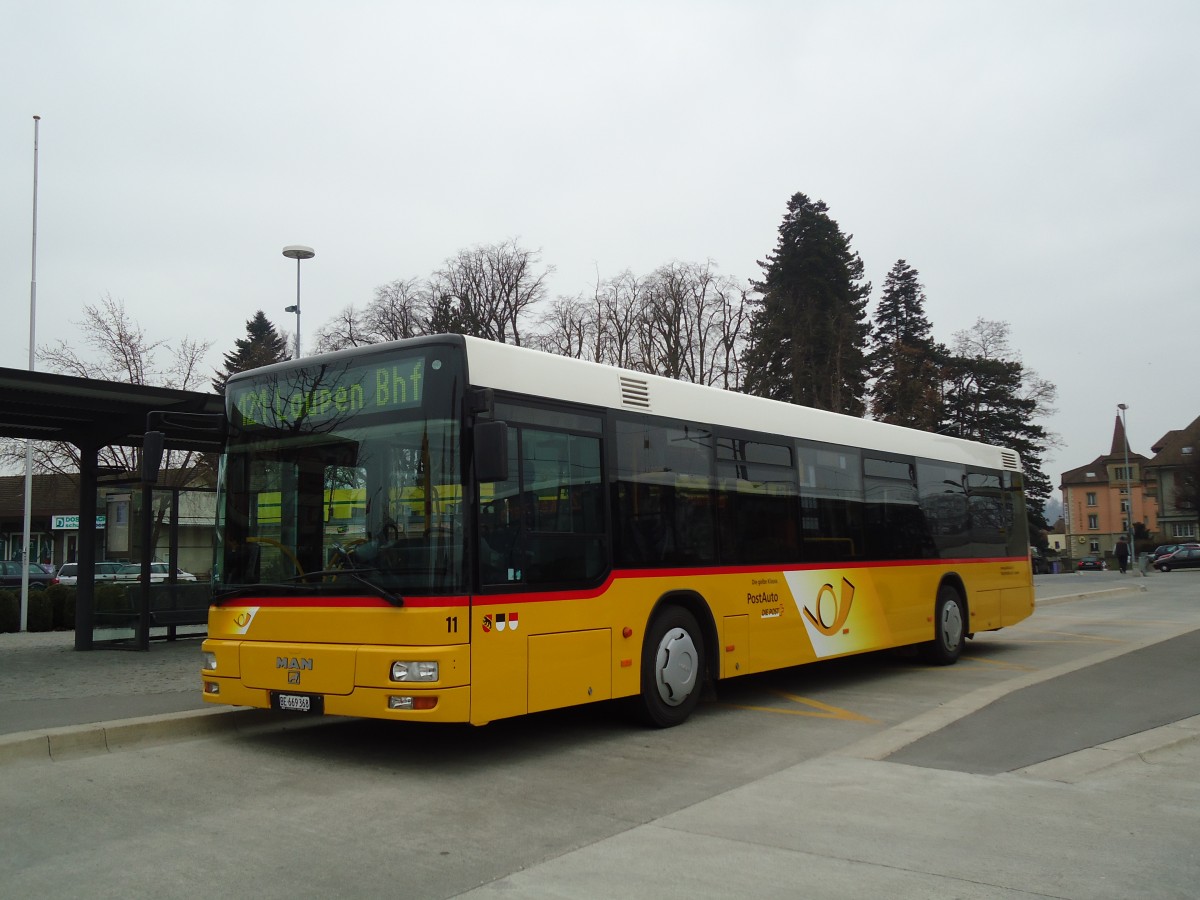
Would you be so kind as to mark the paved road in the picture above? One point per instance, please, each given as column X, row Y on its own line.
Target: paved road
column 1137, row 691
column 786, row 785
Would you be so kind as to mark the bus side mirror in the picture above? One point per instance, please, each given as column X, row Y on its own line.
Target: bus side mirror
column 152, row 453
column 491, row 451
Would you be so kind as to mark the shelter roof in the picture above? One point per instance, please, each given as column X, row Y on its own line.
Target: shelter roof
column 44, row 406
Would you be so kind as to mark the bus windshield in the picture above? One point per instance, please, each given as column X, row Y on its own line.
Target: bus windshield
column 343, row 479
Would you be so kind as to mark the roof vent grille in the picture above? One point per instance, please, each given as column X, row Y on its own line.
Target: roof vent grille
column 635, row 392
column 1009, row 459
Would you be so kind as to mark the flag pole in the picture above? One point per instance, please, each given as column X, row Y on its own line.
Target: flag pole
column 28, row 559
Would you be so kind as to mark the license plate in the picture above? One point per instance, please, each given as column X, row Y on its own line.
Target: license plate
column 301, row 703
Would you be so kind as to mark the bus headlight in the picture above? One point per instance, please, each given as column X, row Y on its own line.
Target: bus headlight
column 210, row 661
column 412, row 670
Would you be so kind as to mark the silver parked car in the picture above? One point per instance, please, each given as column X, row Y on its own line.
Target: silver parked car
column 158, row 572
column 68, row 573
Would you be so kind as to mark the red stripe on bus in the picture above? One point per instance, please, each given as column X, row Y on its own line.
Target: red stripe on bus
column 528, row 596
column 809, row 567
column 344, row 602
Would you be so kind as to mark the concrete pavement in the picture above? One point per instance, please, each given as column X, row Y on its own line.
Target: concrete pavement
column 1105, row 811
column 56, row 703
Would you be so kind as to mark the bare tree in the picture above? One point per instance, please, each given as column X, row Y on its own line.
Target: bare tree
column 734, row 322
column 665, row 335
column 619, row 303
column 683, row 321
column 568, row 328
column 400, row 309
column 121, row 352
column 346, row 329
column 494, row 287
column 692, row 324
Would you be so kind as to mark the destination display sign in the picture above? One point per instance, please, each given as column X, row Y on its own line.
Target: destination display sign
column 303, row 397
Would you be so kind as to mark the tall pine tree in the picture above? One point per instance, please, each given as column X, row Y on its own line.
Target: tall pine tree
column 808, row 329
column 904, row 359
column 261, row 346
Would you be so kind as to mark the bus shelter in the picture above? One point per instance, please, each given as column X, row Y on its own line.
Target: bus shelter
column 92, row 414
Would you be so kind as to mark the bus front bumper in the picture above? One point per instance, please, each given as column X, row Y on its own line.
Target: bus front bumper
column 336, row 680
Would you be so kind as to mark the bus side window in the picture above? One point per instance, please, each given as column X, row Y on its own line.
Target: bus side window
column 565, row 541
column 831, row 502
column 545, row 524
column 664, row 494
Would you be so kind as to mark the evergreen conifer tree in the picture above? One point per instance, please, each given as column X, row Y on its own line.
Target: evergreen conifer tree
column 808, row 330
column 261, row 346
column 904, row 359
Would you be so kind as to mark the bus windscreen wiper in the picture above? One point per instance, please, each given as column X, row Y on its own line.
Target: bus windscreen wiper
column 353, row 573
column 241, row 590
column 297, row 582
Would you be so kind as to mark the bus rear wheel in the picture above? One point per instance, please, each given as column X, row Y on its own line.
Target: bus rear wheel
column 949, row 629
column 672, row 668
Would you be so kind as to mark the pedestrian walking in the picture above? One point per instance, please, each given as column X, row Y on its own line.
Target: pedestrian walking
column 1122, row 552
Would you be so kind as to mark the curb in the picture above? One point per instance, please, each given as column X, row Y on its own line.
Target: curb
column 76, row 741
column 1074, row 767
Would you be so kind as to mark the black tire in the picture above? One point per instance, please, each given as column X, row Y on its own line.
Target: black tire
column 949, row 629
column 672, row 668
column 1163, row 567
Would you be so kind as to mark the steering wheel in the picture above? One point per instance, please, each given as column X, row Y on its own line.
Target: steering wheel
column 339, row 554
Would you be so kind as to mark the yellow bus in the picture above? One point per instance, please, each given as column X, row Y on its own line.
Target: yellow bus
column 447, row 529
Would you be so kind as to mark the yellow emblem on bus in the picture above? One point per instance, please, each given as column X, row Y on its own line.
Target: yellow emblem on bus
column 829, row 605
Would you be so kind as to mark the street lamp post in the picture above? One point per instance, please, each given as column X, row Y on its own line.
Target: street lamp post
column 1128, row 481
column 297, row 252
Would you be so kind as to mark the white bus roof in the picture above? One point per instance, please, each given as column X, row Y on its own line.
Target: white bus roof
column 537, row 374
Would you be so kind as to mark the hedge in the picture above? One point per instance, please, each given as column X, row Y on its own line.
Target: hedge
column 53, row 609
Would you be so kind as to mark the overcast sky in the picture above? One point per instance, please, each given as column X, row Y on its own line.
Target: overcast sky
column 1037, row 162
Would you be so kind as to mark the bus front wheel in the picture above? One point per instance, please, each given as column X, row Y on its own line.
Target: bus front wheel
column 672, row 668
column 949, row 628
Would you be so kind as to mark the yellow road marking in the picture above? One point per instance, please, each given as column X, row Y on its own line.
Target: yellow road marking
column 819, row 710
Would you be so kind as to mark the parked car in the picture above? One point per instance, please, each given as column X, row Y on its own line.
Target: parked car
column 10, row 575
column 158, row 572
column 68, row 573
column 1167, row 549
column 1092, row 563
column 1186, row 557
